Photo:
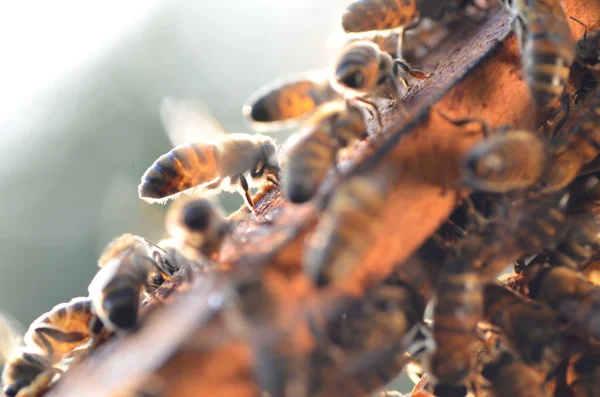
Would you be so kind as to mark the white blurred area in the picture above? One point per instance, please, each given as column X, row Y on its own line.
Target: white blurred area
column 80, row 84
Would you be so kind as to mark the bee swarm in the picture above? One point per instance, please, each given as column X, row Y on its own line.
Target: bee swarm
column 187, row 343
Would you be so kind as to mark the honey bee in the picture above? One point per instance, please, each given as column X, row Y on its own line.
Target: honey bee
column 579, row 246
column 510, row 377
column 531, row 329
column 343, row 232
column 581, row 147
column 221, row 161
column 129, row 267
column 547, row 48
column 582, row 374
column 198, row 227
column 458, row 310
column 575, row 299
column 49, row 339
column 333, row 126
column 286, row 101
column 361, row 67
column 587, row 49
column 506, row 160
column 366, row 15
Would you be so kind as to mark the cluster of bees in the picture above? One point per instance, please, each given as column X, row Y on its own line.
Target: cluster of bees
column 536, row 203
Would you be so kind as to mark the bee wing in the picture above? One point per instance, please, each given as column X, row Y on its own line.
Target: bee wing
column 287, row 101
column 11, row 336
column 184, row 169
column 189, row 120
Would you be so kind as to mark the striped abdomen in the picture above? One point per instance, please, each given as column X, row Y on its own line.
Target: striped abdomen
column 183, row 168
column 288, row 99
column 365, row 15
column 504, row 162
column 548, row 51
column 458, row 309
column 308, row 163
column 343, row 233
column 62, row 329
column 542, row 224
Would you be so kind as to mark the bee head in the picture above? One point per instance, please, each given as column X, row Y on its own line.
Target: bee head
column 268, row 151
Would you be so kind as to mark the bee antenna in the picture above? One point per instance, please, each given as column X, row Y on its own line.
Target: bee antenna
column 154, row 244
column 585, row 27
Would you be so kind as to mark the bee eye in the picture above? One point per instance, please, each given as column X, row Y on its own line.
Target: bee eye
column 158, row 279
column 354, row 80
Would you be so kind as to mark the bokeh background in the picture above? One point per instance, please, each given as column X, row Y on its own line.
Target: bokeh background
column 80, row 85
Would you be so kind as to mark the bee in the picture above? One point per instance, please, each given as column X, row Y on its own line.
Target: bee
column 334, row 126
column 129, row 267
column 366, row 15
column 49, row 339
column 510, row 377
column 221, row 161
column 582, row 374
column 531, row 328
column 287, row 101
column 579, row 247
column 547, row 48
column 198, row 227
column 575, row 299
column 361, row 67
column 343, row 233
column 581, row 147
column 458, row 310
column 506, row 160
column 587, row 49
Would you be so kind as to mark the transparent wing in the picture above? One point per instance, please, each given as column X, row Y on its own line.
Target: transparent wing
column 189, row 120
column 11, row 336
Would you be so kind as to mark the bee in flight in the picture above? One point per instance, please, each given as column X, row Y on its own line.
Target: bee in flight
column 130, row 266
column 51, row 338
column 215, row 162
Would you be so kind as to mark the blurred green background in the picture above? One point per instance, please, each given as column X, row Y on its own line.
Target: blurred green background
column 80, row 89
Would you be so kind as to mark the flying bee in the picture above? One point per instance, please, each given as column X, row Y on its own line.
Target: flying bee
column 458, row 310
column 343, row 233
column 366, row 15
column 530, row 328
column 506, row 160
column 221, row 161
column 565, row 290
column 287, row 101
column 510, row 377
column 583, row 372
column 49, row 339
column 547, row 48
column 334, row 126
column 198, row 227
column 129, row 267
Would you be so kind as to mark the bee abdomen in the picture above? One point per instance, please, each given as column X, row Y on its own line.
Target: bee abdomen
column 182, row 168
column 121, row 306
column 307, row 167
column 342, row 235
column 547, row 66
column 365, row 15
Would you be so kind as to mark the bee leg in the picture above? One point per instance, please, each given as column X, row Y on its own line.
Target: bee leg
column 40, row 384
column 246, row 194
column 375, row 111
column 416, row 73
